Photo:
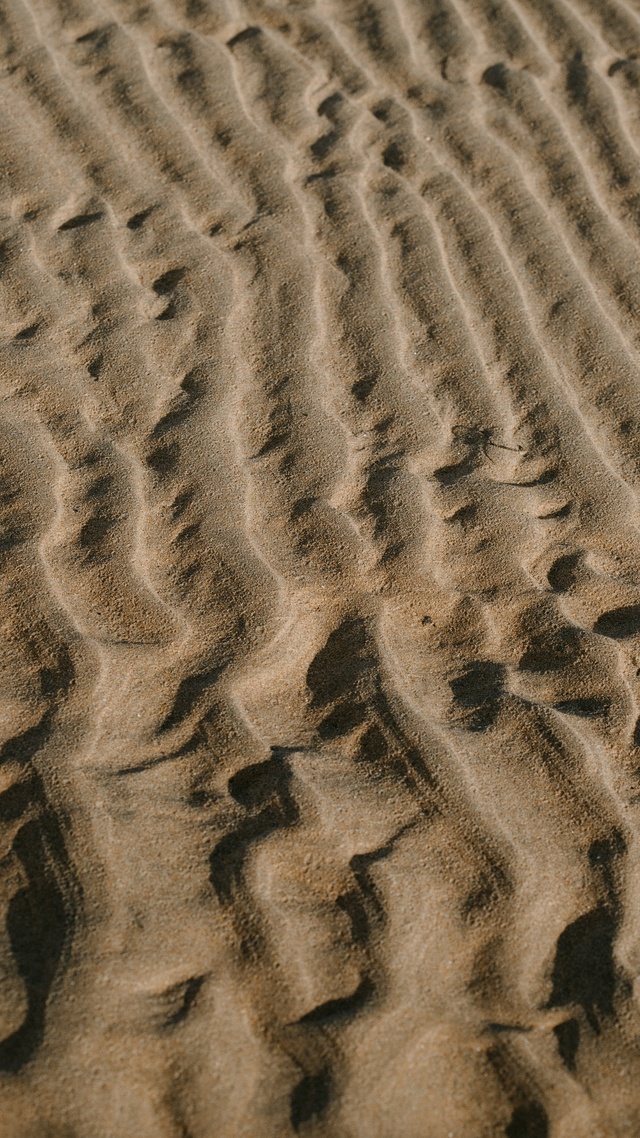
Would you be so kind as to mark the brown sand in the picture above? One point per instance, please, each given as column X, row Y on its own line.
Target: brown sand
column 320, row 458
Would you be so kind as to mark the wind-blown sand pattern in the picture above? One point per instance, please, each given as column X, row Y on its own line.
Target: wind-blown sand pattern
column 320, row 471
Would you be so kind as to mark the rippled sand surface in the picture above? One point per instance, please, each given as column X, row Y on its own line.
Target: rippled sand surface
column 319, row 568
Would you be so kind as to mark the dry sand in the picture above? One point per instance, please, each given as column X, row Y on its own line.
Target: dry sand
column 320, row 568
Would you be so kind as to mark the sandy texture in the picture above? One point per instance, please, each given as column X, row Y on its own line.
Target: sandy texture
column 320, row 568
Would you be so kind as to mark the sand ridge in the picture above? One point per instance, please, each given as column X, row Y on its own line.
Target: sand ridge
column 320, row 568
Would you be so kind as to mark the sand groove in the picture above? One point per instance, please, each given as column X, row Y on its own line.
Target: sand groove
column 320, row 568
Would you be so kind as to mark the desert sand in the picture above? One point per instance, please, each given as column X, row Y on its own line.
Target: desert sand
column 320, row 569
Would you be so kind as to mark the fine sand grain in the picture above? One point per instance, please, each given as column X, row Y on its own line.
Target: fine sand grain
column 320, row 568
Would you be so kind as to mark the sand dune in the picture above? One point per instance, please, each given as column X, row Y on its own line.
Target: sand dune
column 319, row 482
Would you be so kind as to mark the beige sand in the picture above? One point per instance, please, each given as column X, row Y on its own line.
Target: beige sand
column 320, row 461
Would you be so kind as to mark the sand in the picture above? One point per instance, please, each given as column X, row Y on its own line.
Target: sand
column 320, row 569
